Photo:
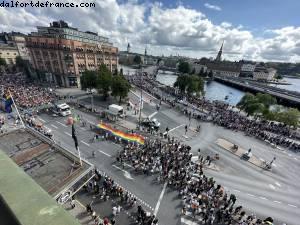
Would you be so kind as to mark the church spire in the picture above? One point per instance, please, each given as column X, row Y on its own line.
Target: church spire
column 219, row 56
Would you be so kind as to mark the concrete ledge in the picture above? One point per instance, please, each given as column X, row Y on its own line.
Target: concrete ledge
column 239, row 152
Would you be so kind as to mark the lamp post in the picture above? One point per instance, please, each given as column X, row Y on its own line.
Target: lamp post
column 141, row 97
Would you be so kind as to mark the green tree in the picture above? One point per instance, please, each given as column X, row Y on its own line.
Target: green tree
column 137, row 59
column 120, row 87
column 190, row 84
column 289, row 117
column 193, row 71
column 266, row 99
column 2, row 62
column 278, row 77
column 88, row 80
column 115, row 72
column 201, row 72
column 104, row 80
column 121, row 71
column 184, row 67
column 210, row 74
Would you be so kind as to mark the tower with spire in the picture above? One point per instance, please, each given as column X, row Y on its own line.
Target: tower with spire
column 219, row 56
column 128, row 48
column 145, row 51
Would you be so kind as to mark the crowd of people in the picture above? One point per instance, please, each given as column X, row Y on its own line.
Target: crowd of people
column 26, row 95
column 201, row 197
column 224, row 115
column 104, row 188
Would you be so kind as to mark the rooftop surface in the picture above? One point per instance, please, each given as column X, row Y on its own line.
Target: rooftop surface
column 50, row 166
column 20, row 192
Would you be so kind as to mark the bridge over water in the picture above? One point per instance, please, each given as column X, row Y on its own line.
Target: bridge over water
column 284, row 97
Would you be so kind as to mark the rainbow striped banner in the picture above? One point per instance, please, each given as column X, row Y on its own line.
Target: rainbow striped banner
column 125, row 136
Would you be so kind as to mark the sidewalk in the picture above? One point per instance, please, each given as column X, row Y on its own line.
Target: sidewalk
column 79, row 212
column 239, row 152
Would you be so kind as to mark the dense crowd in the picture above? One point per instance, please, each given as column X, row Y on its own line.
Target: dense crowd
column 225, row 115
column 104, row 188
column 201, row 197
column 26, row 95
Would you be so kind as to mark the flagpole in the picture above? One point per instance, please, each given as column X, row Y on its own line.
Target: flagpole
column 16, row 108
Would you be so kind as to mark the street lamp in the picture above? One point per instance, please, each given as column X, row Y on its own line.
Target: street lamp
column 141, row 97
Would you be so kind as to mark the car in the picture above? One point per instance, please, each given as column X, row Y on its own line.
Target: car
column 151, row 123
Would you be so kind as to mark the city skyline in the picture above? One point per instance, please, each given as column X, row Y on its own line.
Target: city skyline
column 189, row 28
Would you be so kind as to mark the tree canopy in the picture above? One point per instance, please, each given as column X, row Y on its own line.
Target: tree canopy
column 259, row 104
column 120, row 87
column 88, row 79
column 2, row 62
column 137, row 59
column 104, row 80
column 189, row 84
column 184, row 67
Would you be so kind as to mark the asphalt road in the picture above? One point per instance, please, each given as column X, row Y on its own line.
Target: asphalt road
column 266, row 193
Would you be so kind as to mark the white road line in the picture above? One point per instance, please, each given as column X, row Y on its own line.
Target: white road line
column 251, row 195
column 175, row 128
column 188, row 222
column 85, row 130
column 263, row 198
column 277, row 202
column 105, row 153
column 128, row 176
column 261, row 159
column 292, row 205
column 85, row 143
column 41, row 119
column 159, row 199
column 236, row 190
column 278, row 184
column 153, row 114
column 274, row 165
column 272, row 186
column 128, row 165
column 295, row 158
column 90, row 122
column 68, row 134
column 54, row 126
column 47, row 127
column 64, row 125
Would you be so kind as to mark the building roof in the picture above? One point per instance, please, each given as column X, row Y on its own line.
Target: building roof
column 27, row 200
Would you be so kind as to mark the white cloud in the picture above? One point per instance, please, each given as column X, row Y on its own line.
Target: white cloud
column 213, row 7
column 174, row 30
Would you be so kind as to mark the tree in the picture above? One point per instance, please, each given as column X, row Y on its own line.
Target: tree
column 278, row 77
column 201, row 72
column 184, row 67
column 88, row 80
column 137, row 59
column 266, row 99
column 210, row 74
column 190, row 84
column 115, row 72
column 121, row 71
column 2, row 62
column 193, row 71
column 104, row 80
column 289, row 117
column 120, row 87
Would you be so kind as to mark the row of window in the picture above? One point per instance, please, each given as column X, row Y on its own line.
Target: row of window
column 8, row 53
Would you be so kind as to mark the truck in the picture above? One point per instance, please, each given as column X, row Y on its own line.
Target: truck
column 116, row 110
column 62, row 109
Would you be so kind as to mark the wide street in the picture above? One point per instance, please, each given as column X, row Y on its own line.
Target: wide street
column 265, row 193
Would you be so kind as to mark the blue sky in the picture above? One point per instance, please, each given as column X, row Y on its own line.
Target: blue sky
column 261, row 30
column 254, row 15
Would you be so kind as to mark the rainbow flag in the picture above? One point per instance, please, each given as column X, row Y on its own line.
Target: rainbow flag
column 125, row 136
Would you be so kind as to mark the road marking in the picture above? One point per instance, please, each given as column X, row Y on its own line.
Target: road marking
column 41, row 119
column 54, row 126
column 263, row 198
column 274, row 165
column 126, row 173
column 277, row 202
column 68, row 134
column 236, row 190
column 105, row 153
column 278, row 184
column 295, row 158
column 289, row 154
column 251, row 195
column 188, row 222
column 90, row 122
column 85, row 143
column 61, row 123
column 160, row 198
column 261, row 159
column 272, row 186
column 292, row 205
column 174, row 128
column 153, row 114
column 82, row 128
column 47, row 127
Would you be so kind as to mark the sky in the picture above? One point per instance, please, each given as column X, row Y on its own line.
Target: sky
column 260, row 30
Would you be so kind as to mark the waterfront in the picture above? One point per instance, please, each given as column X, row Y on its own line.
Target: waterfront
column 215, row 90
